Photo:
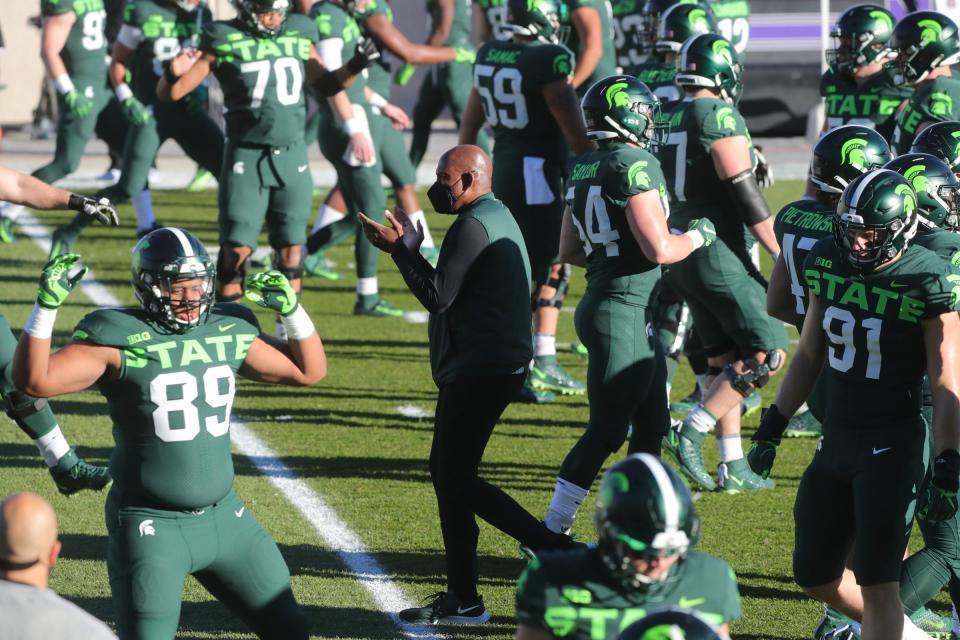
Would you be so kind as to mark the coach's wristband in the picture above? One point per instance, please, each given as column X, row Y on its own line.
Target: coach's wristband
column 298, row 324
column 63, row 83
column 40, row 323
column 123, row 92
column 696, row 237
column 377, row 100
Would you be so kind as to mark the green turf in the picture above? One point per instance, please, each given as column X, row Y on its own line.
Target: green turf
column 346, row 439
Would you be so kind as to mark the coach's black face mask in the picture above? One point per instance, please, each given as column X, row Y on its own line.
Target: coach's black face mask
column 441, row 197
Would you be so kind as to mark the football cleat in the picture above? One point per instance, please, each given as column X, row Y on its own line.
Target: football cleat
column 446, row 608
column 529, row 395
column 750, row 404
column 686, row 447
column 547, row 375
column 6, row 230
column 71, row 474
column 736, row 477
column 430, row 254
column 380, row 309
column 932, row 623
column 835, row 626
column 201, row 180
column 689, row 403
column 803, row 425
column 317, row 265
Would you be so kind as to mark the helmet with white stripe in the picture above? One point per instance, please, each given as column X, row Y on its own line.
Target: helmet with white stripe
column 876, row 218
column 162, row 259
column 643, row 510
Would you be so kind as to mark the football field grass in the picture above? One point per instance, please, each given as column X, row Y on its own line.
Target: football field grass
column 360, row 439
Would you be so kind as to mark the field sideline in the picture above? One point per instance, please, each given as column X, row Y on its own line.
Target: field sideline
column 356, row 441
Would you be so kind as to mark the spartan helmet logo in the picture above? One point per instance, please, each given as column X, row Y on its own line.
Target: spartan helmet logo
column 616, row 96
column 853, row 153
column 909, row 198
column 698, row 20
column 941, row 104
column 915, row 175
column 882, row 16
column 664, row 632
column 721, row 48
column 637, row 176
column 932, row 32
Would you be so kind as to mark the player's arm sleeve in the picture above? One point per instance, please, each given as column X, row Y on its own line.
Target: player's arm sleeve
column 531, row 597
column 55, row 7
column 95, row 328
column 720, row 121
column 436, row 289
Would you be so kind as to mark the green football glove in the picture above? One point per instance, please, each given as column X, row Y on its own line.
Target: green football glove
column 271, row 290
column 77, row 103
column 940, row 502
column 465, row 55
column 761, row 456
column 403, row 75
column 56, row 283
column 135, row 112
column 705, row 228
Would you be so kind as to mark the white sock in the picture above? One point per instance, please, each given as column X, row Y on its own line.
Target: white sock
column 544, row 344
column 911, row 632
column 367, row 286
column 10, row 210
column 701, row 420
column 143, row 207
column 567, row 498
column 53, row 446
column 417, row 216
column 326, row 215
column 703, row 383
column 730, row 448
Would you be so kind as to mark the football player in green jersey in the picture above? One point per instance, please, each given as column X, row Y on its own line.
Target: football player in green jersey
column 167, row 370
column 522, row 90
column 733, row 19
column 708, row 160
column 881, row 312
column 857, row 88
column 153, row 33
column 349, row 137
column 926, row 43
column 375, row 19
column 643, row 562
column 33, row 415
column 675, row 25
column 261, row 58
column 839, row 156
column 591, row 39
column 490, row 20
column 941, row 140
column 448, row 84
column 615, row 225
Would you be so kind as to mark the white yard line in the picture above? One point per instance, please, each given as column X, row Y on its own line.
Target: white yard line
column 336, row 534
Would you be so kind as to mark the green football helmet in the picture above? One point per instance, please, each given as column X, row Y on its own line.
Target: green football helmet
column 163, row 257
column 936, row 188
column 941, row 139
column 671, row 624
column 643, row 509
column 621, row 107
column 882, row 202
column 923, row 41
column 650, row 19
column 250, row 11
column 845, row 153
column 709, row 60
column 861, row 37
column 541, row 19
column 681, row 22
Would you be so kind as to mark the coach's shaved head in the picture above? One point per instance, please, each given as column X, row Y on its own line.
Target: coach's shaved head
column 465, row 168
column 28, row 539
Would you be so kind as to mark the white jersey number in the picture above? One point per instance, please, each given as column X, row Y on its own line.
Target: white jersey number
column 289, row 80
column 502, row 94
column 183, row 403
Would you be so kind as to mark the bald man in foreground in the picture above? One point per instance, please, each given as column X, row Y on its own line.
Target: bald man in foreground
column 478, row 297
column 28, row 551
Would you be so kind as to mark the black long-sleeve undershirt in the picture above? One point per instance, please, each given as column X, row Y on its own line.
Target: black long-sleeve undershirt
column 436, row 289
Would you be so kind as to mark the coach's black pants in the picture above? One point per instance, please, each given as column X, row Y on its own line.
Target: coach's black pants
column 467, row 411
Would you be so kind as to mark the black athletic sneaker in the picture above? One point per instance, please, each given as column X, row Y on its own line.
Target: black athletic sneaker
column 446, row 608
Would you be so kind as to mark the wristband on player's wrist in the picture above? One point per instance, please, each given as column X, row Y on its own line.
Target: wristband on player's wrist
column 356, row 125
column 123, row 92
column 696, row 237
column 377, row 100
column 298, row 324
column 75, row 202
column 40, row 323
column 63, row 83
